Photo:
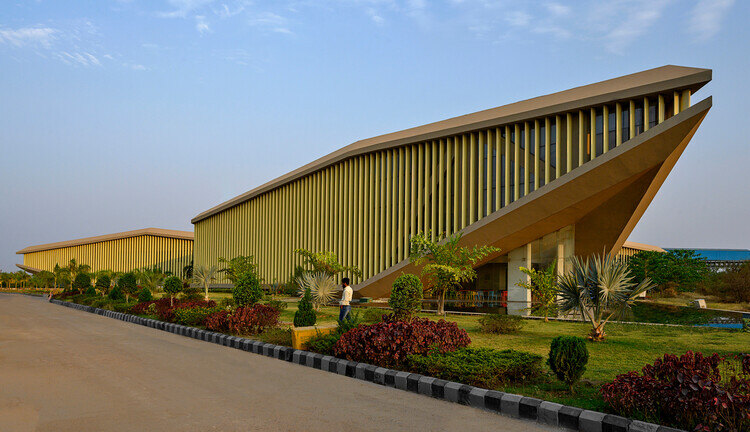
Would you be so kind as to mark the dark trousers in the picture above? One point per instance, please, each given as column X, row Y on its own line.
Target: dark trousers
column 344, row 312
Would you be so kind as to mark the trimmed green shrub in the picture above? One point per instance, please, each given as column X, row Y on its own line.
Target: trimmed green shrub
column 145, row 295
column 194, row 316
column 127, row 285
column 323, row 343
column 483, row 367
column 116, row 294
column 276, row 336
column 99, row 303
column 305, row 315
column 82, row 282
column 90, row 291
column 501, row 323
column 568, row 356
column 102, row 283
column 172, row 286
column 122, row 307
column 406, row 296
column 247, row 290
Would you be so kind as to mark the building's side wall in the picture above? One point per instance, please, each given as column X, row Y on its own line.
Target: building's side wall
column 119, row 255
column 365, row 208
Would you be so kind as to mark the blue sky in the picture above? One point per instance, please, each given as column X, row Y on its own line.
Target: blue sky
column 118, row 115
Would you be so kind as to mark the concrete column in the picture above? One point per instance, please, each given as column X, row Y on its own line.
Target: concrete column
column 519, row 299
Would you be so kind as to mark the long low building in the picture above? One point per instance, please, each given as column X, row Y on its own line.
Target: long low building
column 168, row 249
column 544, row 179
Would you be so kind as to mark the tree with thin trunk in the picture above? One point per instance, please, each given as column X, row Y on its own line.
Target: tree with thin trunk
column 203, row 276
column 447, row 264
column 543, row 286
column 599, row 288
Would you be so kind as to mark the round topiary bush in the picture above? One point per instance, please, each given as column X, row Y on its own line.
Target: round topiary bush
column 568, row 356
column 116, row 294
column 247, row 291
column 305, row 315
column 406, row 296
column 103, row 282
column 128, row 285
column 172, row 286
column 145, row 295
column 82, row 282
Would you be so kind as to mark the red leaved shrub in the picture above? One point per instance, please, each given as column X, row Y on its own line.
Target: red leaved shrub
column 253, row 319
column 218, row 321
column 388, row 343
column 165, row 310
column 686, row 392
column 142, row 307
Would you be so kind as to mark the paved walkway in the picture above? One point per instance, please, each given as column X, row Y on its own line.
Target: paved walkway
column 67, row 370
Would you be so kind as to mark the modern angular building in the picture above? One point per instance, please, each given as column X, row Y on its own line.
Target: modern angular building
column 544, row 179
column 121, row 252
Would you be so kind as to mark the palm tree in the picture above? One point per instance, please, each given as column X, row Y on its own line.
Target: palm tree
column 151, row 278
column 599, row 288
column 203, row 276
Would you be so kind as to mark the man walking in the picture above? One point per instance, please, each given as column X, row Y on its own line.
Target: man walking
column 346, row 297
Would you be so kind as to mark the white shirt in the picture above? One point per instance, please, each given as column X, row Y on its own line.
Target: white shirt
column 346, row 297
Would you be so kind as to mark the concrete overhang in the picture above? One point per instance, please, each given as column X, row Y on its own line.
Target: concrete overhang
column 608, row 194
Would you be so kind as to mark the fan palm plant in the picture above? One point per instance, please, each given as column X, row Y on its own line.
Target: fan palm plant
column 203, row 276
column 599, row 288
column 150, row 278
column 323, row 287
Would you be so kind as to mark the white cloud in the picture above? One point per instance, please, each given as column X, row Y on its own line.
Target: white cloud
column 39, row 36
column 706, row 17
column 518, row 18
column 78, row 58
column 271, row 22
column 201, row 25
column 634, row 19
column 558, row 9
column 375, row 16
column 182, row 8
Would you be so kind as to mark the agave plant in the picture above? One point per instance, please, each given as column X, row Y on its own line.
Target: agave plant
column 599, row 288
column 323, row 287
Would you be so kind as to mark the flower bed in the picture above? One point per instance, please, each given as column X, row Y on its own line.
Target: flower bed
column 390, row 342
column 691, row 391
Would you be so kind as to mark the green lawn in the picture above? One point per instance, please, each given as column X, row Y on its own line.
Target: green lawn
column 683, row 299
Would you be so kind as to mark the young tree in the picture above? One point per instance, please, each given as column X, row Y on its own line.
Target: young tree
column 74, row 269
column 103, row 283
column 82, row 282
column 446, row 263
column 543, row 285
column 172, row 286
column 325, row 262
column 128, row 286
column 238, row 266
column 599, row 288
column 59, row 272
column 203, row 276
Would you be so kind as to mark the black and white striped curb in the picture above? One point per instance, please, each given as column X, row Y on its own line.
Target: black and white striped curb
column 508, row 404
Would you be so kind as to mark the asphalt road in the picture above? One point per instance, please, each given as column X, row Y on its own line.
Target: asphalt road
column 67, row 370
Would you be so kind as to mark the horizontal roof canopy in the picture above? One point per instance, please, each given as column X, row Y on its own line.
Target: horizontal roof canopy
column 628, row 86
column 184, row 235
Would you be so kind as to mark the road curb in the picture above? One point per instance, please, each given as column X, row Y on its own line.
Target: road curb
column 511, row 405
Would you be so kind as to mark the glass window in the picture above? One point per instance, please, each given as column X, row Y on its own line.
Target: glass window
column 612, row 127
column 599, row 131
column 625, row 122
